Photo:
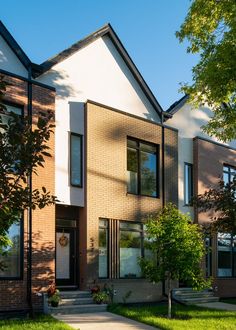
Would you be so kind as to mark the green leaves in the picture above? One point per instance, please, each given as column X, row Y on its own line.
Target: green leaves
column 22, row 151
column 178, row 245
column 210, row 29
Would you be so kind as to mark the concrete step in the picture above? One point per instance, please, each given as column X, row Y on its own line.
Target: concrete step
column 194, row 301
column 75, row 294
column 76, row 301
column 76, row 309
column 196, row 294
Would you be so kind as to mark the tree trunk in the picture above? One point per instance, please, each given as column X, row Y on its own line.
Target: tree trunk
column 169, row 295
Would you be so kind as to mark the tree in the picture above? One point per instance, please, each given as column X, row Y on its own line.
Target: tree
column 222, row 200
column 179, row 247
column 22, row 151
column 210, row 29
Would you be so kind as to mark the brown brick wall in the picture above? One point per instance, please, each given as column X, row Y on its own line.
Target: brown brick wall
column 106, row 164
column 209, row 159
column 13, row 293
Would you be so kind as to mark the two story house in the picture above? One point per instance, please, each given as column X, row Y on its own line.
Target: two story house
column 203, row 162
column 114, row 162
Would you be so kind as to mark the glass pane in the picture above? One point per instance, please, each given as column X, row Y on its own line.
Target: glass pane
column 66, row 223
column 224, row 264
column 103, row 223
column 13, row 258
column 11, row 108
column 132, row 171
column 148, row 174
column 103, row 253
column 63, row 256
column 132, row 143
column 226, row 178
column 132, row 226
column 130, row 250
column 148, row 148
column 76, row 157
column 188, row 184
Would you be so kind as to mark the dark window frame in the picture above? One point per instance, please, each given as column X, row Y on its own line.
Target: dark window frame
column 12, row 104
column 188, row 202
column 231, row 239
column 108, row 245
column 141, row 231
column 228, row 172
column 81, row 160
column 21, row 272
column 157, row 153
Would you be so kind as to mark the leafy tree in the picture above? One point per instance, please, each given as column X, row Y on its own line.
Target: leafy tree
column 179, row 247
column 210, row 29
column 22, row 151
column 222, row 200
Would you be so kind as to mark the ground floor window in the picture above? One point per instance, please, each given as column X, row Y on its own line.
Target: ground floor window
column 12, row 256
column 103, row 248
column 131, row 248
column 226, row 255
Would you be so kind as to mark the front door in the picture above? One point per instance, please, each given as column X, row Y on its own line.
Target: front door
column 65, row 256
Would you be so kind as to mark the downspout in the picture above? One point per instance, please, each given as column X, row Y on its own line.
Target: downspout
column 29, row 254
column 163, row 178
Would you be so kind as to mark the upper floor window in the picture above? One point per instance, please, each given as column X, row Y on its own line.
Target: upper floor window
column 229, row 173
column 76, row 160
column 142, row 168
column 188, row 183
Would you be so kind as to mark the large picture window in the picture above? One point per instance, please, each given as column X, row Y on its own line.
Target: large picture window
column 142, row 168
column 76, row 160
column 188, row 183
column 103, row 248
column 12, row 257
column 226, row 255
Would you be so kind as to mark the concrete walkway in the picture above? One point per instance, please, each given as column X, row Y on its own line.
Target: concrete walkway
column 219, row 305
column 101, row 321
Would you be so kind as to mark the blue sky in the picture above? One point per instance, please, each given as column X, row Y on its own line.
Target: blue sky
column 145, row 27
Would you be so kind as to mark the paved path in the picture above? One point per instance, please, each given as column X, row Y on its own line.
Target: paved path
column 101, row 321
column 219, row 305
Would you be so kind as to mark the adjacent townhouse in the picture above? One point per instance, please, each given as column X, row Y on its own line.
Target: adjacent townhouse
column 203, row 161
column 114, row 162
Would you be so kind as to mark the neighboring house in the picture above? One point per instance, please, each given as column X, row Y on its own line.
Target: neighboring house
column 115, row 162
column 203, row 161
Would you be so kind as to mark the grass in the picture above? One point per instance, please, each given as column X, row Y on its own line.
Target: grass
column 229, row 300
column 185, row 317
column 40, row 322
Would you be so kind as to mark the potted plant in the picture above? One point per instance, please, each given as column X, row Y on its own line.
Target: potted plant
column 53, row 295
column 101, row 297
column 54, row 299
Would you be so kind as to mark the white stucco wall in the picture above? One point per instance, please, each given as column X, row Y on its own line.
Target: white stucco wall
column 189, row 122
column 96, row 72
column 9, row 61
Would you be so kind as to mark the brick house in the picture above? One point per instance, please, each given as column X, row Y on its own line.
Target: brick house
column 114, row 161
column 203, row 161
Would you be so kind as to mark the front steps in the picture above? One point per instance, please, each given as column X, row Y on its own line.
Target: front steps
column 76, row 302
column 188, row 296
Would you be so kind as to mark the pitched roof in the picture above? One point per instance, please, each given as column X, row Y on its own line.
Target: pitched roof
column 15, row 47
column 105, row 30
column 177, row 105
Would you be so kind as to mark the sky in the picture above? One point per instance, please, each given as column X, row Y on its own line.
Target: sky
column 146, row 28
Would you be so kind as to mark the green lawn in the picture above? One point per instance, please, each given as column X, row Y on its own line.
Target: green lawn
column 41, row 322
column 186, row 317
